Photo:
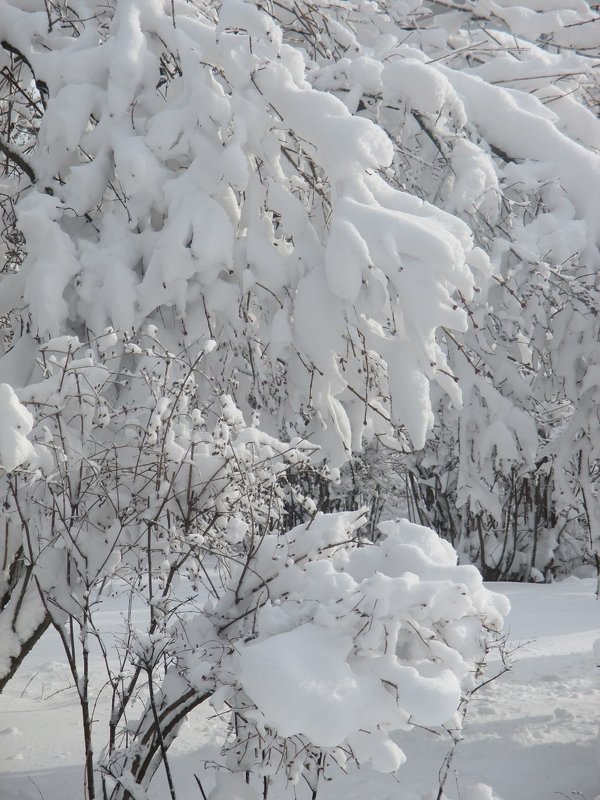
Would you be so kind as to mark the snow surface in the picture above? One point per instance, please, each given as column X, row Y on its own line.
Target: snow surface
column 530, row 735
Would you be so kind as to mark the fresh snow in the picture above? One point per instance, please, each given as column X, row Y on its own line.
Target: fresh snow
column 529, row 734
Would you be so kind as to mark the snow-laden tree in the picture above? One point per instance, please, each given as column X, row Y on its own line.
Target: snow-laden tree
column 518, row 452
column 191, row 174
column 444, row 97
column 491, row 108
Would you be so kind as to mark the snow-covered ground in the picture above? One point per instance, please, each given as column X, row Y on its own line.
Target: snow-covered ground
column 531, row 734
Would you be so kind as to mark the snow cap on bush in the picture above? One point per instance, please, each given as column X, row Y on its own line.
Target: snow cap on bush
column 351, row 642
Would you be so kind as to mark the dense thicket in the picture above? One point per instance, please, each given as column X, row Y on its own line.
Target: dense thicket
column 244, row 244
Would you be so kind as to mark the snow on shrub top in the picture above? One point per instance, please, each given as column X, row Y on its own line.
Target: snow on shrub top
column 350, row 643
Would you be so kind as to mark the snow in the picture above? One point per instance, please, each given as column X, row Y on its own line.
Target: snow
column 232, row 787
column 15, row 423
column 529, row 734
column 302, row 683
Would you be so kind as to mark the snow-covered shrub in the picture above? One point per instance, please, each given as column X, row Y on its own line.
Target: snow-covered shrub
column 528, row 362
column 142, row 491
column 321, row 646
column 179, row 507
column 335, row 653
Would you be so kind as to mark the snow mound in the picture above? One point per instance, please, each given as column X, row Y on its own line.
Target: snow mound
column 303, row 684
column 355, row 642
